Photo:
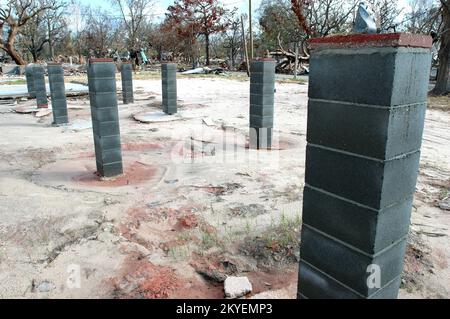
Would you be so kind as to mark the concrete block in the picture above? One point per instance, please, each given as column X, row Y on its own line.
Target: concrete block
column 313, row 284
column 260, row 138
column 373, row 183
column 368, row 230
column 102, row 100
column 262, row 66
column 107, row 114
column 261, row 78
column 107, row 142
column 261, row 120
column 266, row 100
column 263, row 110
column 58, row 112
column 110, row 169
column 348, row 265
column 107, row 156
column 265, row 88
column 102, row 69
column 101, row 86
column 370, row 75
column 105, row 128
column 370, row 131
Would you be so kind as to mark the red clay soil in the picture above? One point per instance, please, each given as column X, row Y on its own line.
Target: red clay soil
column 141, row 146
column 279, row 145
column 135, row 173
column 272, row 279
column 141, row 279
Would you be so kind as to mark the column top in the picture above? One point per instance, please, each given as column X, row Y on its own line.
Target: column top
column 100, row 60
column 372, row 40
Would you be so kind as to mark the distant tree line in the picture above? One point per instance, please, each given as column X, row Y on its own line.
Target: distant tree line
column 202, row 30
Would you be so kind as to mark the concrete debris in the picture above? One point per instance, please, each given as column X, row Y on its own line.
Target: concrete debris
column 204, row 70
column 208, row 121
column 155, row 117
column 43, row 112
column 236, row 287
column 444, row 204
column 46, row 286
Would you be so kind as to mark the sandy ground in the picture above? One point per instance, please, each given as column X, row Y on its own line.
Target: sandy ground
column 186, row 213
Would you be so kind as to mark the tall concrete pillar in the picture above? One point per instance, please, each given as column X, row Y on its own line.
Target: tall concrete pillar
column 127, row 82
column 29, row 77
column 39, row 86
column 105, row 116
column 366, row 108
column 58, row 93
column 262, row 86
column 169, row 87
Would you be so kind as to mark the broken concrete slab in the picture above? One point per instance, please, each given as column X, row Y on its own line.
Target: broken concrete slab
column 43, row 112
column 20, row 90
column 236, row 287
column 156, row 117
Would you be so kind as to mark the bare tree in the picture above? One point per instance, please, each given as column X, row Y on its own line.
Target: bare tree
column 14, row 15
column 44, row 28
column 233, row 39
column 443, row 76
column 386, row 14
column 134, row 15
column 322, row 17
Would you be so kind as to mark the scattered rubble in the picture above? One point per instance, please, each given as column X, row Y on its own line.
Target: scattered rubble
column 236, row 287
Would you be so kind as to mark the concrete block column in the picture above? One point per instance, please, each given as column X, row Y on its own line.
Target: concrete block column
column 169, row 87
column 39, row 89
column 262, row 86
column 366, row 109
column 29, row 77
column 58, row 93
column 127, row 82
column 105, row 116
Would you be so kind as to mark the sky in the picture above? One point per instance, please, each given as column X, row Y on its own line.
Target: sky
column 161, row 5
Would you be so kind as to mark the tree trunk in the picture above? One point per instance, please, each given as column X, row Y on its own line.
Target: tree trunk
column 50, row 40
column 207, row 47
column 443, row 77
column 9, row 47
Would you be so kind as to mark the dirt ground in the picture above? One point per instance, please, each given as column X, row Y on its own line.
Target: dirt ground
column 185, row 214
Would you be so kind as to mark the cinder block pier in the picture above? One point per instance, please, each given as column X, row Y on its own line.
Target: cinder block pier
column 58, row 93
column 39, row 89
column 169, row 87
column 105, row 117
column 262, row 86
column 366, row 109
column 126, row 72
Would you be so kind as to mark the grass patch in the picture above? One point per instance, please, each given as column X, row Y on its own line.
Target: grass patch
column 441, row 102
column 14, row 82
column 278, row 243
